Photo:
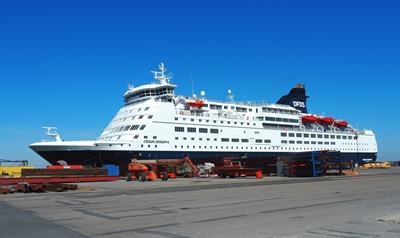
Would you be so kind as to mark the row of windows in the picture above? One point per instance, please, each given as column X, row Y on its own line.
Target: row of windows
column 244, row 147
column 151, row 92
column 277, row 119
column 238, row 109
column 308, row 142
column 215, row 121
column 306, row 135
column 281, row 111
column 227, row 140
column 128, row 127
column 121, row 115
column 253, row 148
column 132, row 118
column 230, row 140
column 194, row 129
column 279, row 126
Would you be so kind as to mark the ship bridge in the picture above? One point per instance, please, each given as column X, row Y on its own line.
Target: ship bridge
column 161, row 89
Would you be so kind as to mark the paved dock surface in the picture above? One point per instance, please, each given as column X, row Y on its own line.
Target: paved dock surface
column 340, row 206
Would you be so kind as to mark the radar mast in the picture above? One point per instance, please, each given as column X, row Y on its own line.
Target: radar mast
column 161, row 76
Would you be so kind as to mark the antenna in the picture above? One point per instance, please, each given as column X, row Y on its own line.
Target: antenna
column 191, row 81
column 230, row 96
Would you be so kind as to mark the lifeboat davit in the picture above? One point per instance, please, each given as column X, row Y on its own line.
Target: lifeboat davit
column 341, row 123
column 326, row 120
column 195, row 103
column 309, row 118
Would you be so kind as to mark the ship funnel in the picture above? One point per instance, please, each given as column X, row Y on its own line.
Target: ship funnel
column 296, row 98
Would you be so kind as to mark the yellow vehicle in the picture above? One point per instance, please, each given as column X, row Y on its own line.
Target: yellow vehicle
column 376, row 165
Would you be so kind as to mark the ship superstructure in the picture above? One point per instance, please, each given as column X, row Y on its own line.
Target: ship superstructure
column 154, row 123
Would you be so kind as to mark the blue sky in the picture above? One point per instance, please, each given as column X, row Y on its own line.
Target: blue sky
column 68, row 63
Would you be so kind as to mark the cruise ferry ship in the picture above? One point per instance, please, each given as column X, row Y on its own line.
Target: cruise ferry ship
column 154, row 123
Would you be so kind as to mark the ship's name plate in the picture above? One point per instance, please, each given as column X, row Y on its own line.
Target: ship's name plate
column 157, row 141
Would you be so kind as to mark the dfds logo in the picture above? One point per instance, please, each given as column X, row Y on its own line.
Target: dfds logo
column 299, row 104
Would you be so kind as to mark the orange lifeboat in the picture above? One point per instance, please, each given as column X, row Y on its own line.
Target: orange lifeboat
column 326, row 120
column 340, row 123
column 309, row 118
column 195, row 103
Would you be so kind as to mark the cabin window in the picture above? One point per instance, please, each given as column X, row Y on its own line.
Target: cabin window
column 191, row 129
column 179, row 129
column 203, row 130
column 214, row 131
column 134, row 127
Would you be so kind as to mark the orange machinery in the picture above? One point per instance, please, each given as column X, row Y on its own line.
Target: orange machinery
column 144, row 170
